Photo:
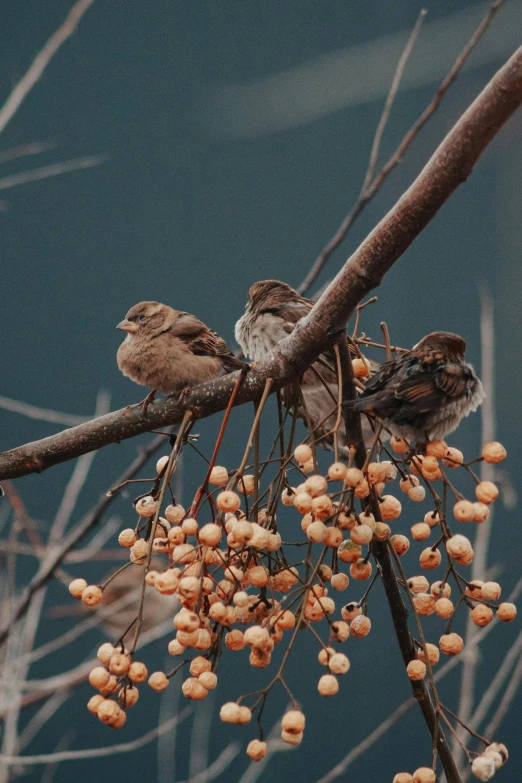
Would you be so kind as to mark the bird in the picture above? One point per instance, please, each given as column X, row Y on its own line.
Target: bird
column 424, row 393
column 272, row 311
column 170, row 350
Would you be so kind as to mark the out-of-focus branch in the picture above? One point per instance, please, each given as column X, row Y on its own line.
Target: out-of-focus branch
column 41, row 61
column 41, row 414
column 449, row 166
column 370, row 188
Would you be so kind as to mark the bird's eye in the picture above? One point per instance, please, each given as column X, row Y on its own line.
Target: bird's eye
column 142, row 318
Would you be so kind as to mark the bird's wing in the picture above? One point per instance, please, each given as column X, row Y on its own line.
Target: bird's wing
column 290, row 313
column 424, row 390
column 202, row 341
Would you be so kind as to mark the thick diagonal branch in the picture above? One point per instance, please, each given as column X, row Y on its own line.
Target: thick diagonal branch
column 448, row 167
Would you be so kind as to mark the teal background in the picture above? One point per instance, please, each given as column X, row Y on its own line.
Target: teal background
column 207, row 188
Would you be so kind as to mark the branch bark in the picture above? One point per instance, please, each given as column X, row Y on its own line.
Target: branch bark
column 449, row 166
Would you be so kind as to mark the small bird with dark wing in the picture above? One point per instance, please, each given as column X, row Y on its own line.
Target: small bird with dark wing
column 170, row 350
column 425, row 393
column 272, row 310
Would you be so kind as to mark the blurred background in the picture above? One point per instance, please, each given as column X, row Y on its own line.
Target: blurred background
column 215, row 144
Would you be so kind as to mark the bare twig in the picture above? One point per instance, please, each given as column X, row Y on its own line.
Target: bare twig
column 41, row 414
column 41, row 61
column 397, row 156
column 53, row 170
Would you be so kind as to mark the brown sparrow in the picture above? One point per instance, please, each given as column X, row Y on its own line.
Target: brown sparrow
column 424, row 393
column 170, row 350
column 272, row 310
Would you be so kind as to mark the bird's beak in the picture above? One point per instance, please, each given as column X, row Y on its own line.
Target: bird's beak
column 127, row 326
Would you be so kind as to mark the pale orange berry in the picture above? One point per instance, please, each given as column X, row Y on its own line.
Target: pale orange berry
column 175, row 536
column 444, row 607
column 376, row 472
column 246, row 484
column 183, row 553
column 486, row 492
column 390, row 507
column 491, row 591
column 362, row 490
column 258, row 576
column 334, row 537
column 303, row 453
column 235, row 640
column 161, row 464
column 481, row 615
column 306, row 522
column 287, row 499
column 350, row 611
column 361, row 367
column 158, row 681
column 290, row 738
column 483, row 767
column 361, row 534
column 436, row 448
column 308, row 467
column 119, row 663
column 119, row 721
column 146, row 506
column 466, row 558
column 337, row 471
column 368, row 519
column 108, row 689
column 91, row 595
column 420, row 531
column 139, row 551
column 137, row 672
column 303, row 502
column 210, row 534
column 507, row 612
column 399, row 445
column 324, row 573
column 339, row 582
column 424, row 775
column 190, row 526
column 403, row 777
column 108, row 711
column 474, row 589
column 339, row 663
column 293, row 721
column 432, row 518
column 199, row 665
column 256, row 749
column 322, row 507
column 417, row 494
column 228, row 501
column 186, row 620
column 218, row 476
column 494, row 452
column 382, row 531
column 316, row 485
column 408, row 482
column 245, row 716
column 433, row 653
column 439, row 590
column 424, row 603
column 418, row 584
column 208, row 680
column 454, row 458
column 480, row 512
column 390, row 470
column 324, row 655
column 94, row 702
column 194, row 689
column 105, row 652
column 99, row 677
column 128, row 696
column 430, row 559
column 256, row 636
column 317, row 532
column 286, row 620
column 416, row 670
column 400, row 544
column 354, row 477
column 76, row 587
column 348, row 552
column 260, row 538
column 328, row 685
column 457, row 546
column 451, row 644
column 167, row 582
column 361, row 570
column 500, row 748
column 463, row 511
column 360, row 626
column 430, row 468
column 127, row 537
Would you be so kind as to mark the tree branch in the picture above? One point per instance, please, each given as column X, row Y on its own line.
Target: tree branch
column 449, row 166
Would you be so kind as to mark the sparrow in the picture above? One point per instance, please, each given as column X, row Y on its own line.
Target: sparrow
column 170, row 350
column 424, row 393
column 272, row 310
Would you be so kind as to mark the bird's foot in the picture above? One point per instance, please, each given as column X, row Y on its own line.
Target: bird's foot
column 144, row 404
column 182, row 397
